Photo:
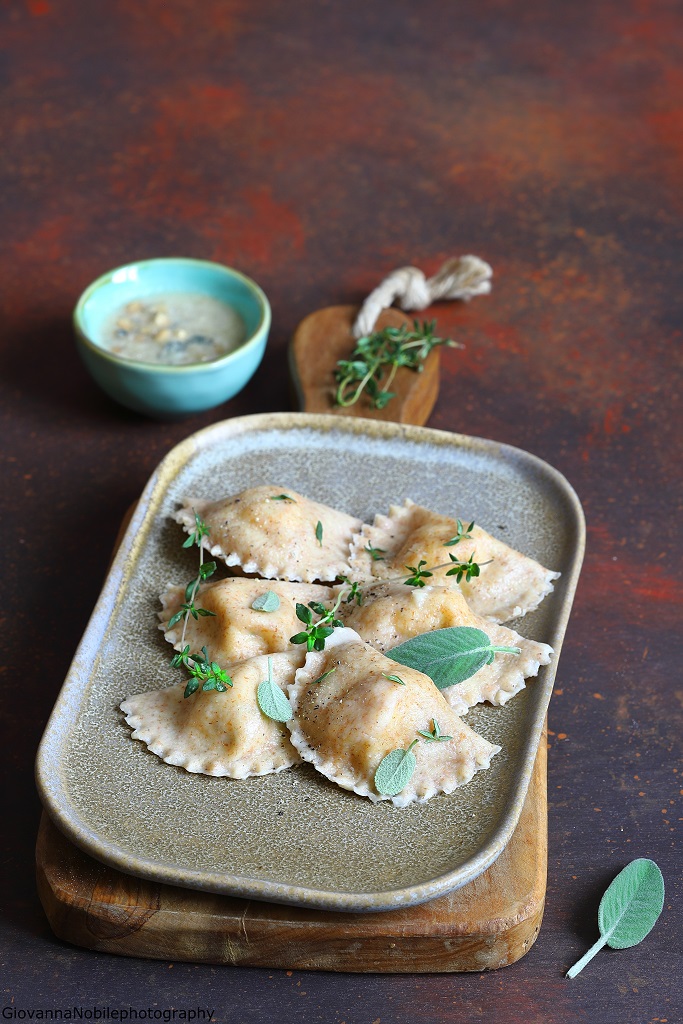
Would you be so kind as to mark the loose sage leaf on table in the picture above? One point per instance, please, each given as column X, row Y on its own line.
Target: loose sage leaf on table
column 266, row 602
column 272, row 700
column 628, row 910
column 448, row 656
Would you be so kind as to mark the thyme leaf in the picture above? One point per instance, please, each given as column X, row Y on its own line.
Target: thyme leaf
column 324, row 675
column 467, row 569
column 418, row 574
column 435, row 735
column 316, row 633
column 204, row 674
column 462, row 533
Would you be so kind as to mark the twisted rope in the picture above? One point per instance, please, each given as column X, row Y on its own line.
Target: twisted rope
column 460, row 278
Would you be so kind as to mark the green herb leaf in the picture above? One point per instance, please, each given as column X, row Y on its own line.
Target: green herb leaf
column 394, row 679
column 418, row 574
column 354, row 593
column 324, row 675
column 467, row 569
column 463, row 533
column 272, row 700
column 435, row 735
column 376, row 554
column 383, row 352
column 200, row 530
column 449, row 656
column 628, row 910
column 282, row 497
column 266, row 602
column 395, row 771
column 319, row 533
column 304, row 614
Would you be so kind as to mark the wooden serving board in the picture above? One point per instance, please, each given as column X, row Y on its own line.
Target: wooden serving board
column 489, row 923
column 324, row 337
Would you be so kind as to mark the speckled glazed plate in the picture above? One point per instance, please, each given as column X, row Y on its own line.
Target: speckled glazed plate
column 295, row 837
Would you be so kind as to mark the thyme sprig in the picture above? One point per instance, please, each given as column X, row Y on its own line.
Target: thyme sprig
column 204, row 673
column 458, row 568
column 206, row 569
column 433, row 735
column 316, row 633
column 462, row 533
column 384, row 351
column 418, row 575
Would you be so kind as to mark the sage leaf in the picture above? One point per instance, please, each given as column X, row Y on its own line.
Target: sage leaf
column 266, row 602
column 448, row 656
column 628, row 909
column 272, row 700
column 395, row 771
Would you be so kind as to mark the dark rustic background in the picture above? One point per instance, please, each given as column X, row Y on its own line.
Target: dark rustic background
column 316, row 146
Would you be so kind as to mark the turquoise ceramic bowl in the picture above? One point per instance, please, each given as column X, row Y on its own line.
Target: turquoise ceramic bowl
column 153, row 388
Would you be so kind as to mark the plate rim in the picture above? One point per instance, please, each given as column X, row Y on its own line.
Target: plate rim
column 48, row 779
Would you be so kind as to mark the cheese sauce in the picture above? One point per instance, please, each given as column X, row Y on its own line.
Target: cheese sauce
column 176, row 329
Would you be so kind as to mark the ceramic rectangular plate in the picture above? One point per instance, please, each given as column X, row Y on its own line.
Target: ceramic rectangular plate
column 295, row 837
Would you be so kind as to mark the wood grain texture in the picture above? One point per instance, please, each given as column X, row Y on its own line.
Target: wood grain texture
column 490, row 923
column 324, row 337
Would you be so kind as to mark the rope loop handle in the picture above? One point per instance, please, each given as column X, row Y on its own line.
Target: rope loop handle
column 462, row 277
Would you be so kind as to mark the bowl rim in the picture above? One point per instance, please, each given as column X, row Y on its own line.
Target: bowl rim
column 166, row 368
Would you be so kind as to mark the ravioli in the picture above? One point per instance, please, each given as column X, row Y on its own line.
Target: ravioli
column 509, row 586
column 345, row 723
column 392, row 613
column 276, row 533
column 236, row 631
column 222, row 734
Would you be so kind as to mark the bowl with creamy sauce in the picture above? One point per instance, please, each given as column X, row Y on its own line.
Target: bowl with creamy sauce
column 172, row 336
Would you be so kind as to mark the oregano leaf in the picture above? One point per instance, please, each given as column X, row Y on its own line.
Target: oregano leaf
column 628, row 910
column 395, row 771
column 266, row 602
column 448, row 656
column 272, row 700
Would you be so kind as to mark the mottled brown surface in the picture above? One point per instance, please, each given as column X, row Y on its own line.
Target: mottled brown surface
column 316, row 146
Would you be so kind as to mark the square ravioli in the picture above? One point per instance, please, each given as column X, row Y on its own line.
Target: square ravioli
column 392, row 612
column 510, row 584
column 236, row 630
column 349, row 714
column 211, row 733
column 275, row 533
